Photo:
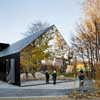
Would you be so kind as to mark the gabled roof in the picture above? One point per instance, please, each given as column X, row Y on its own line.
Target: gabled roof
column 20, row 45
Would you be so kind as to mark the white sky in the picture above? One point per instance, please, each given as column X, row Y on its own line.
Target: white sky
column 17, row 15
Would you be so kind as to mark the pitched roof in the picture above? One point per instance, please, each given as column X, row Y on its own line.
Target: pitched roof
column 21, row 44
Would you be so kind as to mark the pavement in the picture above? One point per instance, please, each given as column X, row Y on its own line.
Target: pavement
column 42, row 82
column 61, row 88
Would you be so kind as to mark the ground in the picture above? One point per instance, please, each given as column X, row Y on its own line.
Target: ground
column 63, row 90
column 52, row 98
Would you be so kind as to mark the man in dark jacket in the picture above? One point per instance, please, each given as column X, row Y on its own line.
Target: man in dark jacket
column 54, row 75
column 47, row 77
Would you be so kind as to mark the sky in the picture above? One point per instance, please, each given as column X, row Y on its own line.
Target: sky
column 17, row 15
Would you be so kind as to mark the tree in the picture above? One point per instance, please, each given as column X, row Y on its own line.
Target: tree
column 32, row 55
column 86, row 43
column 92, row 12
column 60, row 41
column 36, row 27
column 48, row 46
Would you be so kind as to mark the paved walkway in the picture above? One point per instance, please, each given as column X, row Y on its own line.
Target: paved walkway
column 42, row 82
column 61, row 88
column 60, row 85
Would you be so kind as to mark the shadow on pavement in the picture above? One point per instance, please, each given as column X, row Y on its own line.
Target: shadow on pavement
column 45, row 83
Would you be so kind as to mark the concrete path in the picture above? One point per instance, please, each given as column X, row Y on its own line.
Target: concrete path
column 65, row 88
column 59, row 85
column 7, row 90
column 41, row 82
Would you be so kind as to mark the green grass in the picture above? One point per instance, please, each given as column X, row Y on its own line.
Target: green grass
column 66, row 74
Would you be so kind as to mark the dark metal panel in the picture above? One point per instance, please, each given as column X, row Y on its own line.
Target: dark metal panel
column 3, row 67
column 17, row 70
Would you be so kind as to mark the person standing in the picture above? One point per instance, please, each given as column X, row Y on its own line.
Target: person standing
column 47, row 77
column 81, row 79
column 54, row 75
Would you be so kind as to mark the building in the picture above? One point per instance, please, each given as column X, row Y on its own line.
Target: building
column 15, row 58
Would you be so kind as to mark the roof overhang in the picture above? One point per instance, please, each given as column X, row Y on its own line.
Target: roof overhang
column 3, row 46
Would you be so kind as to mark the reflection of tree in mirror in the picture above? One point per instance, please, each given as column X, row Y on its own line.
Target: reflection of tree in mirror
column 32, row 55
column 36, row 27
column 47, row 47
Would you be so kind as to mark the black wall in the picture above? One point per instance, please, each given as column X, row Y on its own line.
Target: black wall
column 3, row 67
